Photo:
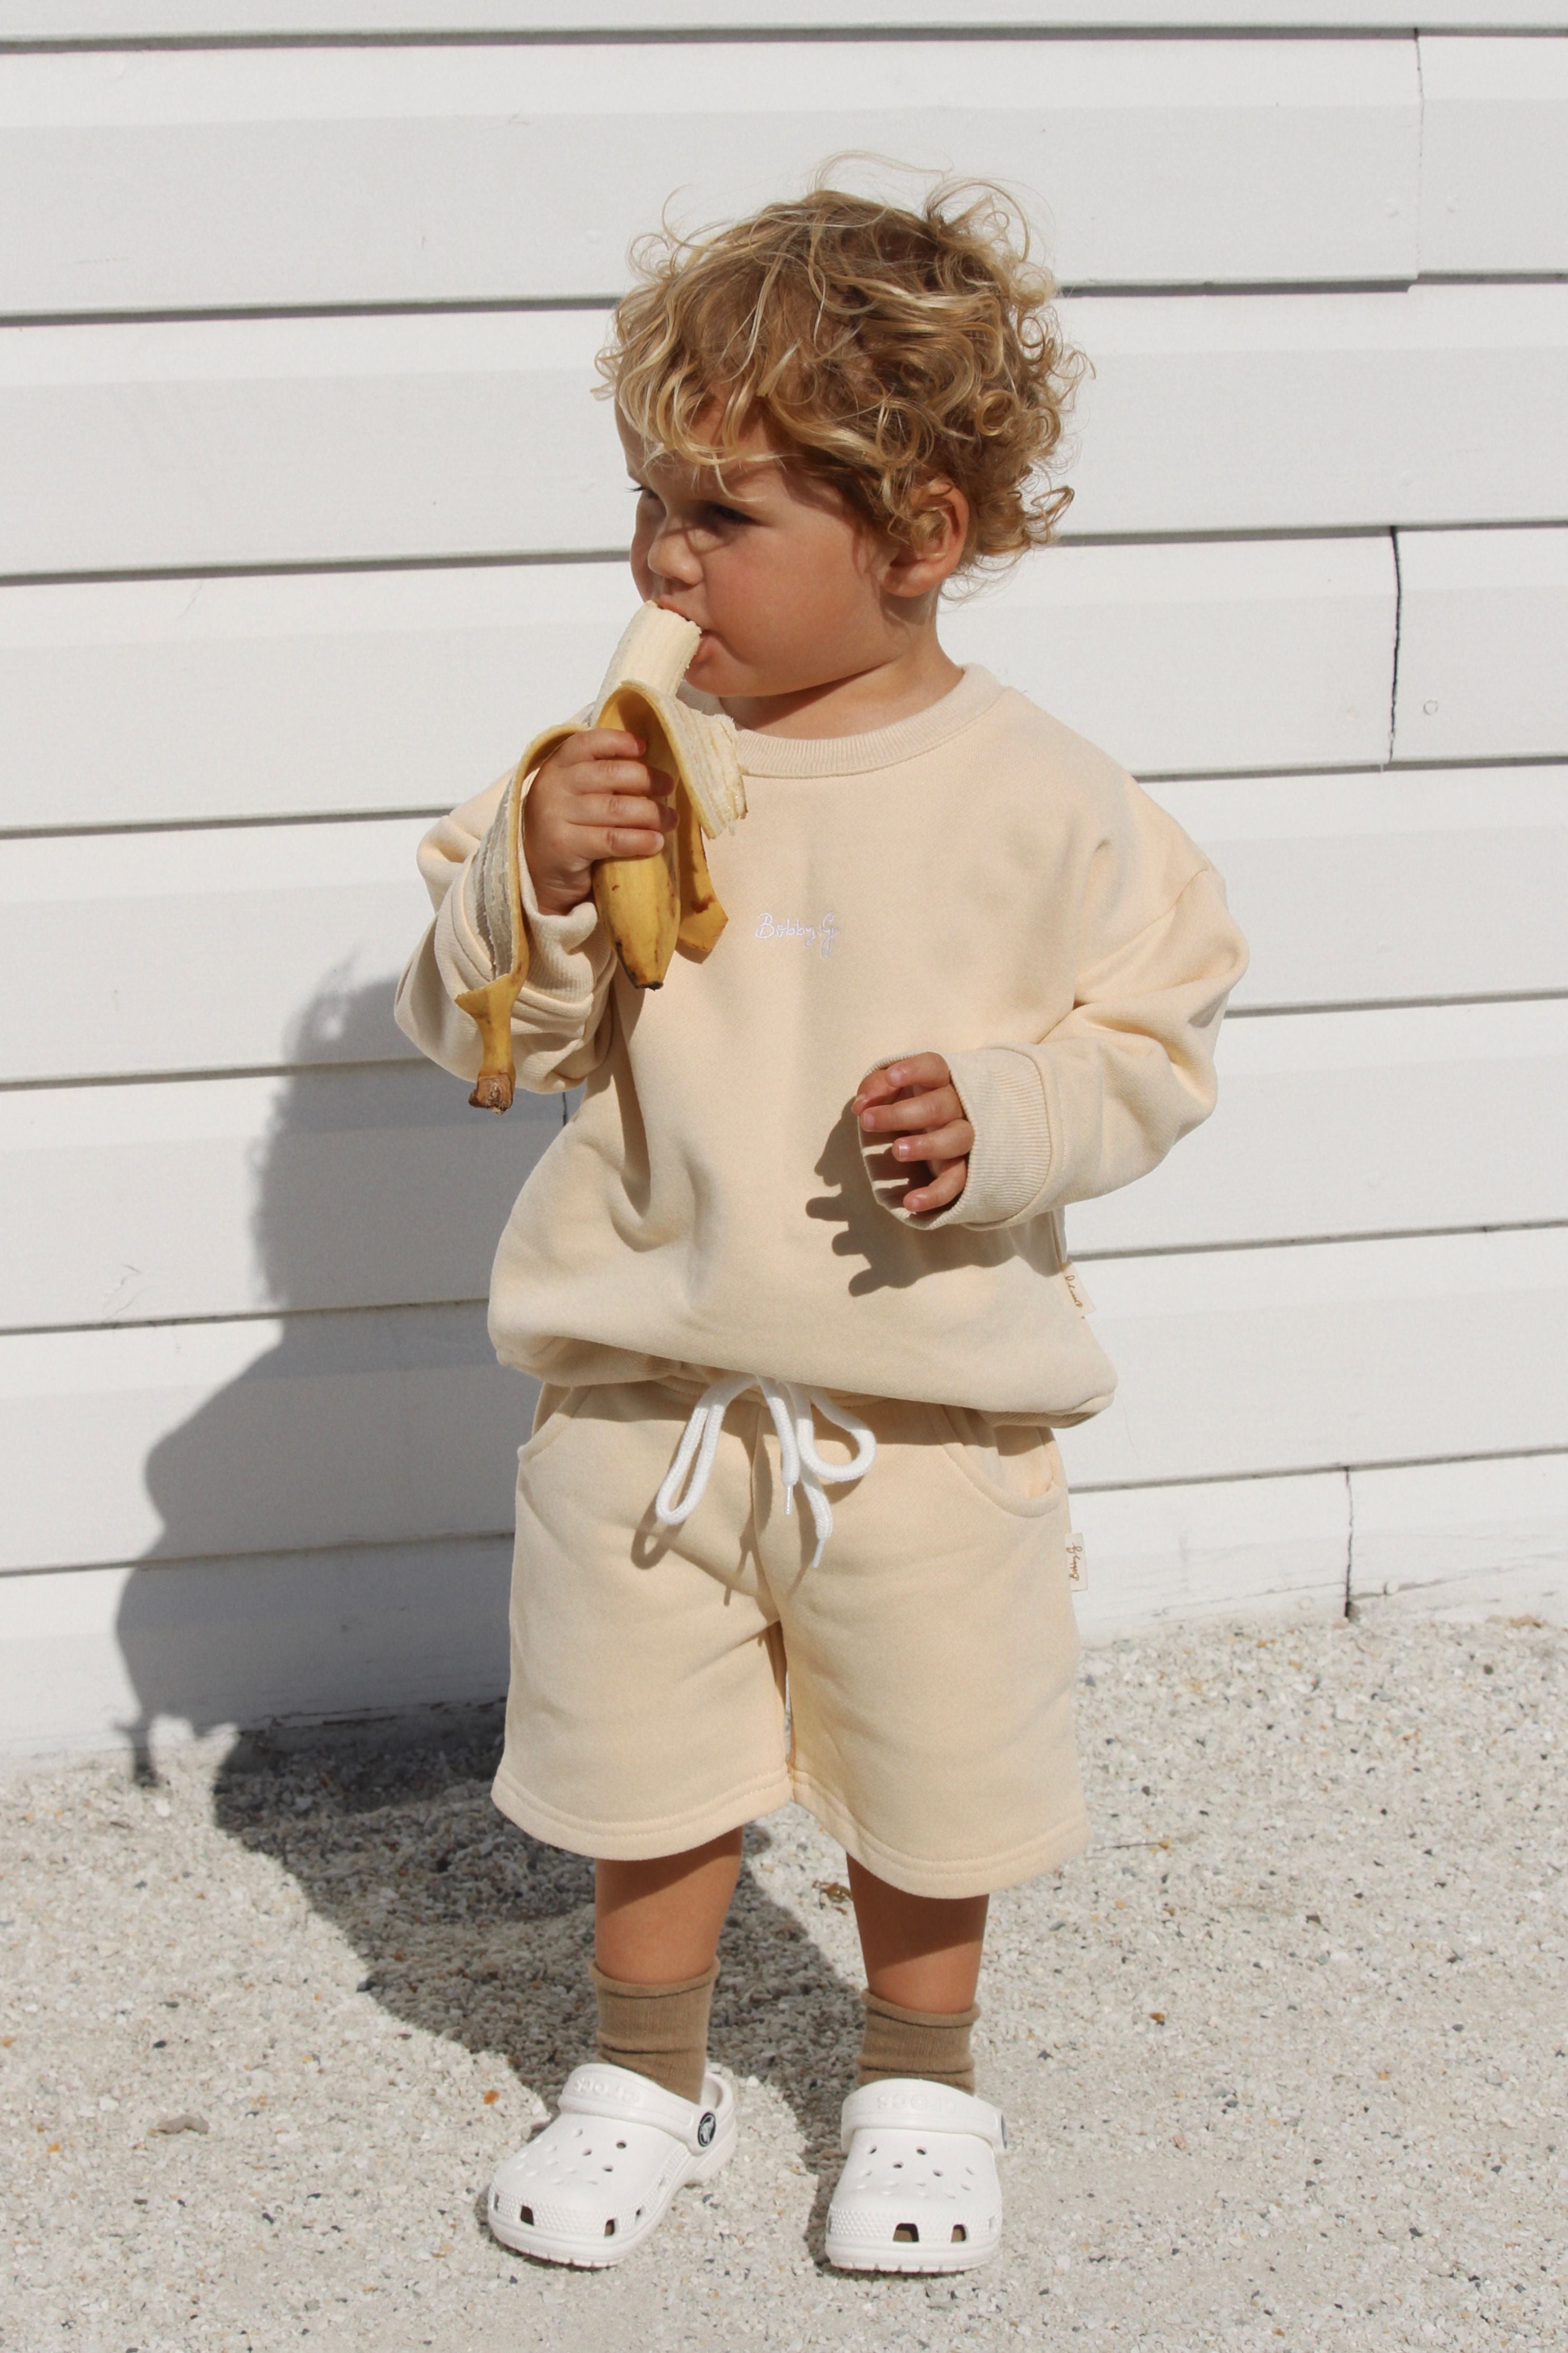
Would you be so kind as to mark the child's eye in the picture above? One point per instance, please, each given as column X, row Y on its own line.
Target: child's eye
column 729, row 514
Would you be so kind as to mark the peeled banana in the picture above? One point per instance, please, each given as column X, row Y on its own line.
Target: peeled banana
column 650, row 905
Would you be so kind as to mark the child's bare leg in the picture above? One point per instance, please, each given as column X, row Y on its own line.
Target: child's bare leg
column 923, row 1964
column 657, row 1927
column 659, row 1920
column 920, row 1951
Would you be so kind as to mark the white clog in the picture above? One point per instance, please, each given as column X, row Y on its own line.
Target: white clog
column 919, row 2191
column 597, row 2181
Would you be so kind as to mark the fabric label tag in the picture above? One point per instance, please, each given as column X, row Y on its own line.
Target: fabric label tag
column 1076, row 1291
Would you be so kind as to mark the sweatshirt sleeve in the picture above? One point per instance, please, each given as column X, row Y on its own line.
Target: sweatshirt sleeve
column 561, row 1022
column 1104, row 1095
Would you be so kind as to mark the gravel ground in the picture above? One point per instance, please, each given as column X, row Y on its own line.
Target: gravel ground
column 1283, row 2055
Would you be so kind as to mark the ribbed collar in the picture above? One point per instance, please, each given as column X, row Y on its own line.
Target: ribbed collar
column 850, row 756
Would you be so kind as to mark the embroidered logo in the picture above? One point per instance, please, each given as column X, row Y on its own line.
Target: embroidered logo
column 785, row 927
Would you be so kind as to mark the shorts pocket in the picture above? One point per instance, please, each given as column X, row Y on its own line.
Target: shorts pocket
column 1016, row 1466
column 555, row 1412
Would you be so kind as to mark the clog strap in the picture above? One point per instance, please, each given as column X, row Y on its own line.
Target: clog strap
column 908, row 2103
column 596, row 2090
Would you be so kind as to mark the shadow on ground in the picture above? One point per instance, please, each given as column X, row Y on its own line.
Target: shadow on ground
column 469, row 1929
column 465, row 1928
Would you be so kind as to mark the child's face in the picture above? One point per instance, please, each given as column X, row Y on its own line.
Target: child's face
column 790, row 589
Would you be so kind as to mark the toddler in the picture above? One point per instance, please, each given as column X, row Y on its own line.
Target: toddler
column 792, row 1522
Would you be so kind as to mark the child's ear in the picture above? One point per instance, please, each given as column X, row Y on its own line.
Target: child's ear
column 941, row 527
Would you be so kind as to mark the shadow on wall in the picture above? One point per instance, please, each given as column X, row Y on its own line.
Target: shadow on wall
column 313, row 1447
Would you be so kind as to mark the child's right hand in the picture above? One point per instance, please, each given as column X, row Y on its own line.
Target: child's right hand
column 593, row 798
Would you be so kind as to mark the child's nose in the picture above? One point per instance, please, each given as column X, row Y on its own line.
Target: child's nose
column 670, row 556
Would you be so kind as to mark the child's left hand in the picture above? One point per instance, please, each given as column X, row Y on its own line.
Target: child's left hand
column 916, row 1101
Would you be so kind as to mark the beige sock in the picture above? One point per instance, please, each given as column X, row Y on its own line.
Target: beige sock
column 656, row 2031
column 926, row 2042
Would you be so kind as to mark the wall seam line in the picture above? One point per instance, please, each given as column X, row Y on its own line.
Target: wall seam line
column 1394, row 668
column 723, row 36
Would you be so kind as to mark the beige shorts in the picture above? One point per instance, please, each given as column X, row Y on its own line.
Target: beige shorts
column 913, row 1690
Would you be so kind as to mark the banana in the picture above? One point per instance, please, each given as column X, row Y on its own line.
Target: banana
column 650, row 906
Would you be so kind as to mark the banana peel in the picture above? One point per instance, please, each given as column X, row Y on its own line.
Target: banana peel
column 650, row 906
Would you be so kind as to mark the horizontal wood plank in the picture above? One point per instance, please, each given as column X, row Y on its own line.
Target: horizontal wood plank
column 1484, row 623
column 221, row 178
column 360, row 1187
column 235, row 442
column 118, row 1658
column 161, row 701
column 1164, row 654
column 1494, row 154
column 1316, row 411
column 307, row 441
column 1340, row 1123
column 226, row 949
column 1334, row 1353
column 1463, row 1540
column 184, row 1441
column 1320, row 872
column 153, row 702
column 238, row 948
column 314, row 1190
column 397, row 1426
column 1254, row 1550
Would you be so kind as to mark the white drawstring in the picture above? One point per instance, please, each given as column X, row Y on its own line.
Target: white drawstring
column 800, row 1464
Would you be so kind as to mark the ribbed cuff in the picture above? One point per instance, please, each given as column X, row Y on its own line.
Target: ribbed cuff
column 1003, row 1090
column 929, row 2044
column 556, row 944
column 656, row 2031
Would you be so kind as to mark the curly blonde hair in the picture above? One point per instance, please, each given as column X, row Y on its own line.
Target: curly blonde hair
column 887, row 350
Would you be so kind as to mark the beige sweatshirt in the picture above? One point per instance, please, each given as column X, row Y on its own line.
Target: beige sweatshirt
column 975, row 881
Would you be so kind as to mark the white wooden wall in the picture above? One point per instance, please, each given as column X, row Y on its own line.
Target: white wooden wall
column 307, row 518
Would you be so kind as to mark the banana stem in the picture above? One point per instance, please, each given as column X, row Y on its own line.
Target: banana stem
column 491, row 1010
